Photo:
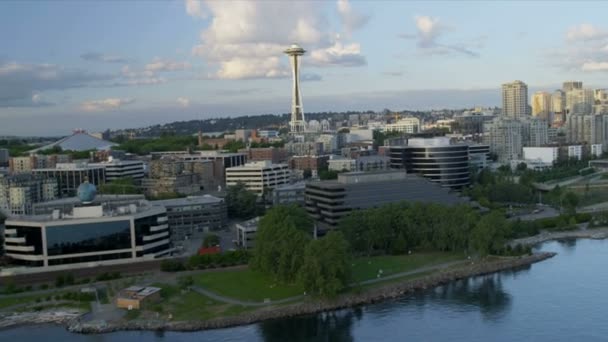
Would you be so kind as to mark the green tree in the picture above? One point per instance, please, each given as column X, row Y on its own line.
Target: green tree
column 490, row 233
column 326, row 269
column 241, row 203
column 120, row 186
column 211, row 240
column 328, row 174
column 570, row 202
column 281, row 238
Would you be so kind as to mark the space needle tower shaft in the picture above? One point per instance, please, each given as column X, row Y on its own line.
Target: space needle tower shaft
column 297, row 123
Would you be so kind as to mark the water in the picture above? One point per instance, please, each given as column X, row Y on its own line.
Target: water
column 560, row 299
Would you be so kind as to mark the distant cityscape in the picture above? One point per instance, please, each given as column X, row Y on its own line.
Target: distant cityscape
column 188, row 195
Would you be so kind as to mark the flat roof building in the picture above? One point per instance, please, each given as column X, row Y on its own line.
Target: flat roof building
column 88, row 234
column 116, row 169
column 193, row 215
column 328, row 201
column 69, row 176
column 259, row 176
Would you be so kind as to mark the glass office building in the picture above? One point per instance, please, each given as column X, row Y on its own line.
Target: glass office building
column 89, row 234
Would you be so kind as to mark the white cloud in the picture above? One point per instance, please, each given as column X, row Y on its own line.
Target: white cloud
column 595, row 66
column 429, row 31
column 586, row 49
column 159, row 64
column 246, row 39
column 194, row 8
column 105, row 104
column 338, row 54
column 585, row 32
column 351, row 20
column 183, row 102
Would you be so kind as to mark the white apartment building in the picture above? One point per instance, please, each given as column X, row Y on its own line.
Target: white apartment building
column 515, row 99
column 580, row 101
column 575, row 151
column 596, row 150
column 406, row 125
column 534, row 132
column 504, row 136
column 259, row 176
column 544, row 155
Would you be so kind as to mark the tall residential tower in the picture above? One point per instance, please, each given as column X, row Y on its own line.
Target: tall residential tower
column 297, row 123
column 515, row 99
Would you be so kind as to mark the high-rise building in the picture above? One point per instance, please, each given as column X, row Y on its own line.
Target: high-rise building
column 514, row 99
column 601, row 101
column 541, row 105
column 534, row 132
column 580, row 101
column 504, row 137
column 572, row 85
column 558, row 108
column 588, row 129
column 297, row 123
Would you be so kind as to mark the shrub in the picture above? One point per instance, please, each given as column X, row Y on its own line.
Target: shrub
column 171, row 265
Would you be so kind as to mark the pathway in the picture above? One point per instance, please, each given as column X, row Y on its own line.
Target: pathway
column 234, row 301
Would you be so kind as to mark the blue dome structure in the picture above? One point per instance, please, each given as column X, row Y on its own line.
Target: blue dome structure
column 86, row 192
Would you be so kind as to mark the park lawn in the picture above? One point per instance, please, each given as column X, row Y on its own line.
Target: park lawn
column 189, row 305
column 365, row 268
column 246, row 285
column 10, row 301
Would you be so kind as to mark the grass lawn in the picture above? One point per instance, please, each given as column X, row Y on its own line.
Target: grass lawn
column 365, row 268
column 10, row 301
column 246, row 285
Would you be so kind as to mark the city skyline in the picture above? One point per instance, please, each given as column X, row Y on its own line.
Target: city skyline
column 110, row 65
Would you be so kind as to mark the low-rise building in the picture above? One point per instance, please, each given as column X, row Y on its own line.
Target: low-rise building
column 246, row 232
column 137, row 297
column 289, row 194
column 88, row 234
column 312, row 163
column 545, row 155
column 328, row 201
column 4, row 157
column 274, row 154
column 116, row 169
column 69, row 176
column 19, row 192
column 193, row 216
column 259, row 176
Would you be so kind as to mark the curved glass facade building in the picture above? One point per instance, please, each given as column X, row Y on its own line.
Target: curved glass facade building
column 435, row 159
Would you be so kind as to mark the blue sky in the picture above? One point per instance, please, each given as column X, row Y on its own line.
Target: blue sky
column 111, row 64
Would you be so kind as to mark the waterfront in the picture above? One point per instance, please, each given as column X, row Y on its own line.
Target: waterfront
column 559, row 299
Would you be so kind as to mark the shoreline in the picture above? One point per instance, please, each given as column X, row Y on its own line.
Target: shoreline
column 596, row 234
column 379, row 294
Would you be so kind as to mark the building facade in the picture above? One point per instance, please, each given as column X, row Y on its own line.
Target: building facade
column 504, row 137
column 409, row 125
column 116, row 169
column 193, row 216
column 541, row 105
column 259, row 176
column 19, row 192
column 514, row 99
column 69, row 176
column 328, row 201
column 434, row 158
column 88, row 235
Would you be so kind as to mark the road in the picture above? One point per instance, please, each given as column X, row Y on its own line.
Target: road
column 545, row 212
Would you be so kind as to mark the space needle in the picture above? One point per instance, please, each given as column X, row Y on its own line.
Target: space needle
column 297, row 123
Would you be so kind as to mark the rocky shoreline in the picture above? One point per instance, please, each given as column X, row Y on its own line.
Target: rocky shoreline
column 55, row 316
column 598, row 233
column 381, row 293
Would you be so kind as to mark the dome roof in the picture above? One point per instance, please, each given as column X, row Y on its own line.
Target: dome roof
column 86, row 192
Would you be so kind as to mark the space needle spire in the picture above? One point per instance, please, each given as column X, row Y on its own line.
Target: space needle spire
column 297, row 124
